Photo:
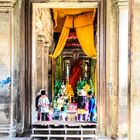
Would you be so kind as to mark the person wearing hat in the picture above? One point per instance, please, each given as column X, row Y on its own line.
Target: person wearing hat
column 81, row 102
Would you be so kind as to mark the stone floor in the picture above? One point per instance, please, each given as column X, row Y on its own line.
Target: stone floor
column 3, row 137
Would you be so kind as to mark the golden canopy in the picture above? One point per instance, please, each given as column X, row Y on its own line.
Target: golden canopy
column 80, row 19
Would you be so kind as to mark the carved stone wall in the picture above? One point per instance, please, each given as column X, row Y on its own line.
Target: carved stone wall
column 43, row 26
column 134, row 75
column 117, row 68
column 121, row 7
column 12, row 60
column 111, row 70
column 42, row 42
column 7, row 3
column 5, row 66
column 10, row 90
column 18, row 67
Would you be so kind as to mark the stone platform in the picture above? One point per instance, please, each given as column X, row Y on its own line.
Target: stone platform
column 64, row 130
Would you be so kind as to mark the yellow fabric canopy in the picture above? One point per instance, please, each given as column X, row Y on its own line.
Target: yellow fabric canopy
column 59, row 15
column 83, row 23
column 63, row 37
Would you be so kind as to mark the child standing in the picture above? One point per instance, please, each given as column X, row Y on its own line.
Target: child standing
column 63, row 115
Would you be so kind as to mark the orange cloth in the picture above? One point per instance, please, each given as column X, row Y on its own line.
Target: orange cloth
column 75, row 75
column 83, row 25
column 60, row 14
column 63, row 37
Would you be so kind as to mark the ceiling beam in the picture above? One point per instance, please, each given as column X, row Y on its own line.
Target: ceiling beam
column 93, row 4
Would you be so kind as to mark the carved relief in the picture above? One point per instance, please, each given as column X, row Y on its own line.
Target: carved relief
column 7, row 3
column 5, row 66
column 120, row 4
column 43, row 25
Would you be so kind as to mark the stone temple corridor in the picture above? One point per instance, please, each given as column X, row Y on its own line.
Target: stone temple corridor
column 29, row 36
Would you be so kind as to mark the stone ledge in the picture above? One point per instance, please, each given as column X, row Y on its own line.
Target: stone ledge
column 120, row 4
column 7, row 3
column 4, row 10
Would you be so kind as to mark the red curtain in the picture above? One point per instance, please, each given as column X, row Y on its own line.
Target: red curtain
column 76, row 74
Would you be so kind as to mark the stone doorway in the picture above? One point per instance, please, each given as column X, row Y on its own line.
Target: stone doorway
column 41, row 42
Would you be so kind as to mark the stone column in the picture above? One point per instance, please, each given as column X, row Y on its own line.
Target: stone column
column 46, row 55
column 134, row 73
column 43, row 66
column 111, row 70
column 41, row 73
column 122, row 9
column 40, row 67
column 9, row 66
column 39, row 62
column 101, row 69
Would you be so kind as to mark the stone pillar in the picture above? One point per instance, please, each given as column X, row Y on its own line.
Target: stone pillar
column 122, row 9
column 46, row 55
column 101, row 69
column 39, row 62
column 134, row 73
column 8, row 65
column 111, row 70
column 40, row 67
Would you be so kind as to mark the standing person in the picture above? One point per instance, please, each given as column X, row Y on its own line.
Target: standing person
column 63, row 114
column 43, row 103
column 50, row 114
column 60, row 102
column 37, row 107
column 81, row 102
column 91, row 108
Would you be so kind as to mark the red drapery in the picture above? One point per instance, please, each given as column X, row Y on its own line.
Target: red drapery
column 76, row 74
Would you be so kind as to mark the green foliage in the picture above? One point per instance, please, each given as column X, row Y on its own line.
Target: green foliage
column 58, row 68
column 80, row 85
column 57, row 87
column 91, row 83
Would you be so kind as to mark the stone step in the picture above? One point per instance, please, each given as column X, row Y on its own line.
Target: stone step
column 4, row 125
column 67, row 136
column 4, row 129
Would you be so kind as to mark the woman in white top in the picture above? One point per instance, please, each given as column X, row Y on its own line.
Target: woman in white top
column 43, row 104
